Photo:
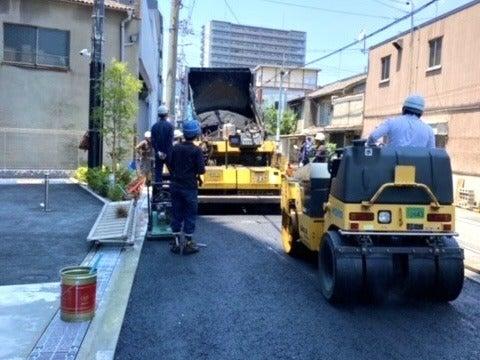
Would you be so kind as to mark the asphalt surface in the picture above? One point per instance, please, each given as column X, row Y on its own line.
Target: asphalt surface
column 241, row 298
column 35, row 245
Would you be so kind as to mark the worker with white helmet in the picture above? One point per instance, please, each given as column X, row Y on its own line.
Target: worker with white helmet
column 145, row 156
column 162, row 141
column 407, row 129
column 321, row 153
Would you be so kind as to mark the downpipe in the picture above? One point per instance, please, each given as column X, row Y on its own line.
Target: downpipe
column 123, row 24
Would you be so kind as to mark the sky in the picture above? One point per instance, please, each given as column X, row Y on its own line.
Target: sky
column 329, row 25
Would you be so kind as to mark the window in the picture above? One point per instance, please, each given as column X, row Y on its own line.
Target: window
column 435, row 57
column 36, row 46
column 385, row 68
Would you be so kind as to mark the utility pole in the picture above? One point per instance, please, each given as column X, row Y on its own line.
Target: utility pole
column 95, row 125
column 172, row 56
column 280, row 101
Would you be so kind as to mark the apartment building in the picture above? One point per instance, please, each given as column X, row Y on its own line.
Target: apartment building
column 232, row 45
column 438, row 59
column 296, row 82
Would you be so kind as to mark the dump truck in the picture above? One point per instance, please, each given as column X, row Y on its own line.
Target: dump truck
column 381, row 220
column 241, row 164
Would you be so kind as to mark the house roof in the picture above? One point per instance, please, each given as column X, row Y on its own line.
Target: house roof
column 337, row 86
column 429, row 22
column 109, row 4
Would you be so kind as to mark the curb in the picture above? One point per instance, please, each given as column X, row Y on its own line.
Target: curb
column 101, row 339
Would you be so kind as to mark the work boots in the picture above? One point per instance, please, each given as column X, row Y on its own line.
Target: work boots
column 191, row 246
column 175, row 244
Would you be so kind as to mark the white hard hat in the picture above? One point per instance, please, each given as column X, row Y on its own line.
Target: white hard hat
column 320, row 137
column 177, row 134
column 148, row 134
column 162, row 110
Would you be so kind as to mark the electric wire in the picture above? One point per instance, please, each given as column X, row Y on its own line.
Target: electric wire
column 333, row 11
column 231, row 11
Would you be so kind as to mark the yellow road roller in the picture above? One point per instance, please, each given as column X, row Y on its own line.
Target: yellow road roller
column 381, row 220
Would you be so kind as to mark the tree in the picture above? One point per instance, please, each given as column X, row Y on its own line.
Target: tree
column 120, row 107
column 287, row 125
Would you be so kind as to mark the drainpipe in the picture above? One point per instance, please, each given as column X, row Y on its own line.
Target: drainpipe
column 122, row 33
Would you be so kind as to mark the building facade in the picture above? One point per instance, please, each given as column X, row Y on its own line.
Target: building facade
column 231, row 45
column 438, row 60
column 335, row 109
column 296, row 82
column 44, row 97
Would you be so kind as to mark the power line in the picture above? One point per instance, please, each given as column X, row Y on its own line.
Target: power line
column 328, row 10
column 231, row 11
column 390, row 6
column 376, row 32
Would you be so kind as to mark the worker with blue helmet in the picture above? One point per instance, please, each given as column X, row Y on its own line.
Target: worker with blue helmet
column 407, row 129
column 186, row 165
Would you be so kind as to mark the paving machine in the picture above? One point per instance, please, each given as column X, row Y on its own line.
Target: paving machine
column 380, row 218
column 159, row 211
column 242, row 166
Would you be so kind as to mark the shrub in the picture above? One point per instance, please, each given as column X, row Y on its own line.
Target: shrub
column 97, row 180
column 81, row 174
column 115, row 193
column 123, row 177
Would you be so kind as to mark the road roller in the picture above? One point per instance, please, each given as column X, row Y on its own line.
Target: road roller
column 381, row 220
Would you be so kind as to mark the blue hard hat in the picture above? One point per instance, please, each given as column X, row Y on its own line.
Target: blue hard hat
column 415, row 102
column 191, row 128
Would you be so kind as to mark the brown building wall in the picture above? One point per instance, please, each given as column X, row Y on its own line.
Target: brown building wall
column 452, row 93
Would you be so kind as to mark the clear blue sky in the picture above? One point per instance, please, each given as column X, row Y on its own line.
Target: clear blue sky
column 326, row 30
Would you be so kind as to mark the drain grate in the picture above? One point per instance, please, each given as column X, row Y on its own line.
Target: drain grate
column 109, row 227
column 62, row 340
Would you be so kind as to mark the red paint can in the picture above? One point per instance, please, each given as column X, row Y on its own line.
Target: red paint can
column 79, row 287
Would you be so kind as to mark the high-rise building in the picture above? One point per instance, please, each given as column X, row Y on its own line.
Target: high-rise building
column 231, row 45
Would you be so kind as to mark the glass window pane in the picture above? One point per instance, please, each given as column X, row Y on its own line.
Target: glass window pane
column 53, row 48
column 19, row 43
column 438, row 57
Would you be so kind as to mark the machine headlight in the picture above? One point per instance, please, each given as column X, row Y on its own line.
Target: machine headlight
column 384, row 217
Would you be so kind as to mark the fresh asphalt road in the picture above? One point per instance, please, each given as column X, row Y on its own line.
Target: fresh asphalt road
column 241, row 298
column 35, row 245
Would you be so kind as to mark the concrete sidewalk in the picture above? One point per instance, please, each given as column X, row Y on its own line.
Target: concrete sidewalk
column 468, row 227
column 35, row 245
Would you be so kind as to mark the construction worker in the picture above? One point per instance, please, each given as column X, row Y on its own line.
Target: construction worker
column 162, row 141
column 321, row 153
column 407, row 129
column 306, row 151
column 186, row 165
column 177, row 136
column 145, row 156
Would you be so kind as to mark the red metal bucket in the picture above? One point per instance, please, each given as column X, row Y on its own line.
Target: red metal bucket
column 79, row 287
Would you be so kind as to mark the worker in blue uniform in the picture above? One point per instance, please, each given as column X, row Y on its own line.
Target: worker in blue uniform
column 162, row 141
column 187, row 163
column 407, row 129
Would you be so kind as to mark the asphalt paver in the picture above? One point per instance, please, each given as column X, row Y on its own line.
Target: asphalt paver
column 242, row 298
column 35, row 245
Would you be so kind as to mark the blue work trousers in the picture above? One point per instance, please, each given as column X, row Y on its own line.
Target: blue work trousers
column 184, row 209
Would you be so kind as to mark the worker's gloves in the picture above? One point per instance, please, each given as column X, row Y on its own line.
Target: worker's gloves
column 162, row 155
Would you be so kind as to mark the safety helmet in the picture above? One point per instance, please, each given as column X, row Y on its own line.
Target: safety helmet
column 148, row 134
column 162, row 110
column 177, row 134
column 415, row 102
column 320, row 137
column 191, row 129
